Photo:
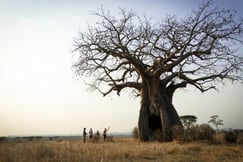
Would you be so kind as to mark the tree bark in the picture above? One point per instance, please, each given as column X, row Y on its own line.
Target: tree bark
column 143, row 121
column 157, row 113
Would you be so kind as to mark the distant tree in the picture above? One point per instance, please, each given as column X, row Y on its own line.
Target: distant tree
column 216, row 121
column 188, row 120
column 156, row 59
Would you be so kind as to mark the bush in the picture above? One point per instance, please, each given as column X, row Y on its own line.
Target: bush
column 159, row 135
column 199, row 132
column 177, row 132
column 192, row 133
column 2, row 139
column 135, row 133
column 219, row 138
column 206, row 132
column 163, row 136
column 230, row 137
column 240, row 140
column 167, row 135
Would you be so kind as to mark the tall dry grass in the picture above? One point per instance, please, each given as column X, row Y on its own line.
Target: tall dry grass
column 122, row 150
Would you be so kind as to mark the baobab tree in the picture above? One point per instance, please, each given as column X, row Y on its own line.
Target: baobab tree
column 156, row 59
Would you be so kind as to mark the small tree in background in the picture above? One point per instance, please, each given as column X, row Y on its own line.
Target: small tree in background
column 216, row 121
column 188, row 120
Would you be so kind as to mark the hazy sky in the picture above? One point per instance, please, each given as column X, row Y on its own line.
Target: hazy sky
column 39, row 93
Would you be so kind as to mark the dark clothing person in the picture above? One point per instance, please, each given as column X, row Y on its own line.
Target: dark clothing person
column 105, row 133
column 84, row 135
column 90, row 133
column 98, row 134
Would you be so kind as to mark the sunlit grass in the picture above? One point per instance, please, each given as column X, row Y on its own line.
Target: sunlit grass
column 122, row 149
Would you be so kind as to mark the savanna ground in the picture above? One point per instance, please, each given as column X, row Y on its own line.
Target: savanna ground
column 121, row 149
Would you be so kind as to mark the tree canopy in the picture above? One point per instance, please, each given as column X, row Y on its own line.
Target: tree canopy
column 214, row 119
column 188, row 120
column 198, row 50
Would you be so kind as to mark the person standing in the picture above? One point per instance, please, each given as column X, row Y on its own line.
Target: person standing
column 97, row 136
column 90, row 133
column 105, row 133
column 84, row 135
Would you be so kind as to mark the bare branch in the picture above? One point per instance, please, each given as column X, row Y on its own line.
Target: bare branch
column 123, row 52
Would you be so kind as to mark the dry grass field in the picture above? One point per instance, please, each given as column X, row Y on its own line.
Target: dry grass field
column 121, row 149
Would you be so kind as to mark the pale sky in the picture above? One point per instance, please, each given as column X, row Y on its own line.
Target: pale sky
column 39, row 92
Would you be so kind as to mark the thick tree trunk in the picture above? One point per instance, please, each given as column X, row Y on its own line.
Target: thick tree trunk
column 157, row 113
column 143, row 122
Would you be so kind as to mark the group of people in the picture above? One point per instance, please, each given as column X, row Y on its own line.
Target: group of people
column 97, row 134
